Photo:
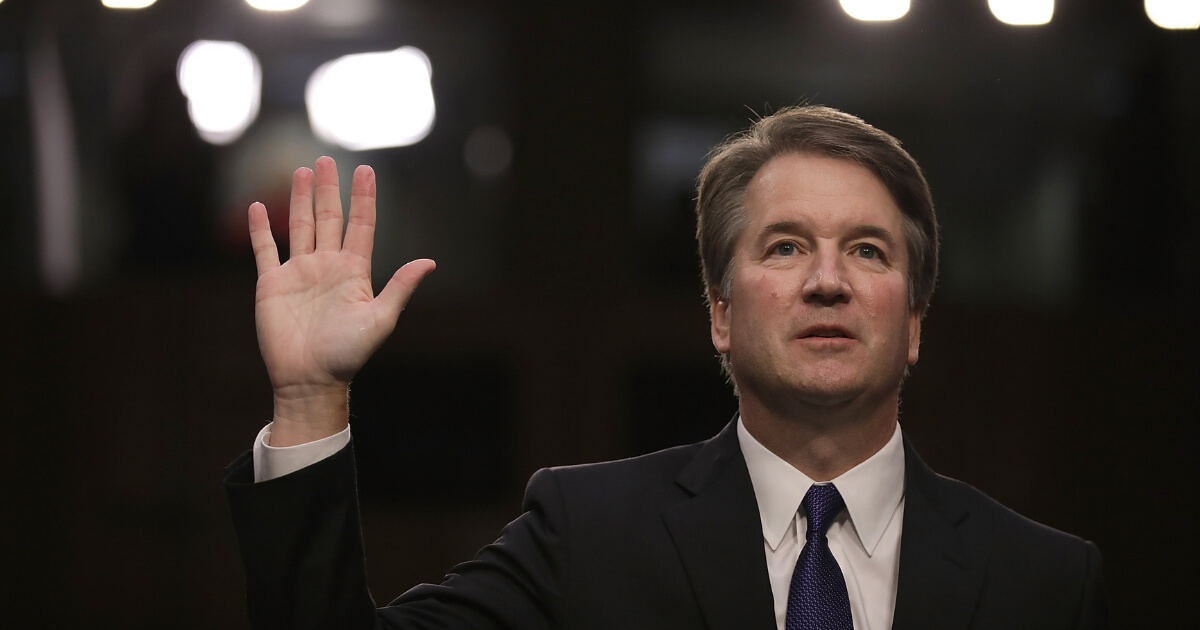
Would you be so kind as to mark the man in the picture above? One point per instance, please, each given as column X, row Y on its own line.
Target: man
column 819, row 246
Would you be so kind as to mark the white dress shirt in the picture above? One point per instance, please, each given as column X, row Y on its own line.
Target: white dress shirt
column 271, row 462
column 864, row 538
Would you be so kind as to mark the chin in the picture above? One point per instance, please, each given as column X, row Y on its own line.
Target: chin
column 828, row 381
column 801, row 394
column 825, row 397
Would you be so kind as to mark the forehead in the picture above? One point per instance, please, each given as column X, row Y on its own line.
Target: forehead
column 819, row 193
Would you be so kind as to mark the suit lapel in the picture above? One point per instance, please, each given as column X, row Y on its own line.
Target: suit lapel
column 940, row 573
column 718, row 535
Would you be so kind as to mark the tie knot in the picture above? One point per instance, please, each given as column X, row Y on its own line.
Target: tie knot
column 821, row 504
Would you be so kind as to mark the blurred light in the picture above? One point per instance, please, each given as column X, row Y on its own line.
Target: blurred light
column 372, row 100
column 276, row 5
column 488, row 151
column 223, row 82
column 127, row 4
column 346, row 14
column 1022, row 12
column 56, row 167
column 875, row 10
column 1174, row 14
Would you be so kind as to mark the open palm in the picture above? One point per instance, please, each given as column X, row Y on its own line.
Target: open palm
column 317, row 317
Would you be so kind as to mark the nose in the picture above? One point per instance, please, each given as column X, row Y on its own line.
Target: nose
column 826, row 283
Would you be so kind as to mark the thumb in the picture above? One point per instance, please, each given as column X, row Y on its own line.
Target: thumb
column 392, row 299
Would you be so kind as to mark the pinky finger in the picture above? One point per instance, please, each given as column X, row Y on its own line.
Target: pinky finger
column 266, row 256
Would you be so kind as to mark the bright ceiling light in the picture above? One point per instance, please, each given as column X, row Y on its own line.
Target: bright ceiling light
column 276, row 5
column 875, row 10
column 223, row 83
column 1022, row 12
column 127, row 4
column 1174, row 14
column 372, row 100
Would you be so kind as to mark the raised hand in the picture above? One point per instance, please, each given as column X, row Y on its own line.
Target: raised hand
column 317, row 317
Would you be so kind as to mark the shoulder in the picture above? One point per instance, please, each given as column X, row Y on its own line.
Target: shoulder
column 1030, row 553
column 990, row 522
column 976, row 515
column 643, row 479
column 1057, row 576
column 639, row 487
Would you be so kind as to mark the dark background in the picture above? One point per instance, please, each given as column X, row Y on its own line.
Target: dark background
column 565, row 322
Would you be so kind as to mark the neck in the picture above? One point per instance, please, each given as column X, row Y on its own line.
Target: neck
column 822, row 442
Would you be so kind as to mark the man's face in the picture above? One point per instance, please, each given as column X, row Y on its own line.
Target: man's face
column 818, row 313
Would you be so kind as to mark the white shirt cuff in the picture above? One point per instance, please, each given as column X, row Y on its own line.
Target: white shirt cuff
column 271, row 462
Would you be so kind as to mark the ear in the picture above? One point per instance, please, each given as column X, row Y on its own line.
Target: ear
column 718, row 315
column 914, row 334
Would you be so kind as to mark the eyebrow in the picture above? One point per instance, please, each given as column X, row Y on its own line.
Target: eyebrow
column 875, row 231
column 859, row 231
column 780, row 227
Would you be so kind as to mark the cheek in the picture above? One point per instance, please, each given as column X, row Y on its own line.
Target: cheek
column 884, row 301
column 773, row 289
column 868, row 297
column 765, row 299
column 753, row 292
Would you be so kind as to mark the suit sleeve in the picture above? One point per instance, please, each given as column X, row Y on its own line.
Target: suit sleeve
column 1093, row 609
column 302, row 552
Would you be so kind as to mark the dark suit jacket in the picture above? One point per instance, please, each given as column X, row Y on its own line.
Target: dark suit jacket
column 666, row 540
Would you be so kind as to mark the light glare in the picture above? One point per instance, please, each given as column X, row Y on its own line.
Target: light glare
column 276, row 5
column 488, row 151
column 127, row 4
column 875, row 10
column 222, row 81
column 372, row 100
column 1022, row 12
column 1174, row 14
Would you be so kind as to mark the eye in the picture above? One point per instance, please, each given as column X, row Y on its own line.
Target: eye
column 784, row 249
column 869, row 252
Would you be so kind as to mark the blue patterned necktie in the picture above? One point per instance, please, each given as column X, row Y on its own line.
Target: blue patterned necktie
column 817, row 598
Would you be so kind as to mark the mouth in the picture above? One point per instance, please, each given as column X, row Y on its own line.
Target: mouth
column 823, row 331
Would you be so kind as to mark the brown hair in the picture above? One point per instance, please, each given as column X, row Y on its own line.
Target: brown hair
column 721, row 188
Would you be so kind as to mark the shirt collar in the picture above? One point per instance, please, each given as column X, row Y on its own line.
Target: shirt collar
column 871, row 490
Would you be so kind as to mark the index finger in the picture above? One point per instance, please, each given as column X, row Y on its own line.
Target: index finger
column 360, row 231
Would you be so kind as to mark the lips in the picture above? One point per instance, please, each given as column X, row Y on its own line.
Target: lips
column 825, row 331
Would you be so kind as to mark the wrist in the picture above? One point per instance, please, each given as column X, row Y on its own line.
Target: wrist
column 308, row 413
